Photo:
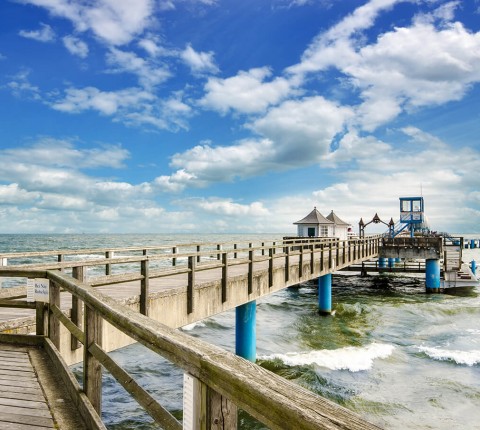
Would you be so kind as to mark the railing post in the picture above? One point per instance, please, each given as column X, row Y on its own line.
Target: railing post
column 312, row 259
column 263, row 248
column 330, row 256
column 53, row 322
column 76, row 311
column 322, row 257
column 60, row 260
column 108, row 267
column 204, row 408
column 198, row 253
column 270, row 268
column 287, row 263
column 344, row 252
column 144, row 287
column 235, row 247
column 224, row 276
column 191, row 284
column 40, row 315
column 300, row 264
column 174, row 260
column 92, row 369
column 250, row 272
column 219, row 248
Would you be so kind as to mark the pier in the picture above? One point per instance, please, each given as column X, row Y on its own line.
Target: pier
column 143, row 295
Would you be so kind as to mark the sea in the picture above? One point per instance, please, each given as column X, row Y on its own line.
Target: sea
column 399, row 357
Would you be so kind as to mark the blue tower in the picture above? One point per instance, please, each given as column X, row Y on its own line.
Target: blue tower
column 412, row 214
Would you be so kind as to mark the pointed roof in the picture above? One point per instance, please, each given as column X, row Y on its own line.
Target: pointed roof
column 334, row 218
column 314, row 217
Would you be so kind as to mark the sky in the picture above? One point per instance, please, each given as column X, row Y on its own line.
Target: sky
column 227, row 116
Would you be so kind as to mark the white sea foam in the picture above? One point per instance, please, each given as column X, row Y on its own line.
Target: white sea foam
column 191, row 326
column 349, row 358
column 469, row 358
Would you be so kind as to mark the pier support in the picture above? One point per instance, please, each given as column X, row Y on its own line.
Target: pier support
column 432, row 275
column 246, row 330
column 473, row 266
column 382, row 263
column 325, row 294
column 391, row 262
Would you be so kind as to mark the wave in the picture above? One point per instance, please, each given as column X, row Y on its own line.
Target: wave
column 350, row 358
column 190, row 327
column 469, row 358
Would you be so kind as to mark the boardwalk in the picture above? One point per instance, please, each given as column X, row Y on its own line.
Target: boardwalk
column 87, row 316
column 30, row 391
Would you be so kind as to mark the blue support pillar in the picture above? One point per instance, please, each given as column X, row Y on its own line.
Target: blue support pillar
column 325, row 294
column 382, row 263
column 473, row 266
column 246, row 331
column 432, row 275
column 472, row 243
column 391, row 262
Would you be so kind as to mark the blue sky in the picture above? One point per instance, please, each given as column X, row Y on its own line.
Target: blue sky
column 236, row 116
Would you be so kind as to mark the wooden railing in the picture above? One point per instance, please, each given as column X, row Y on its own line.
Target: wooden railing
column 329, row 254
column 222, row 381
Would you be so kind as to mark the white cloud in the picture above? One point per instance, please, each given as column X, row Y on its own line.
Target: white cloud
column 405, row 68
column 302, row 130
column 105, row 102
column 76, row 46
column 44, row 34
column 246, row 92
column 228, row 207
column 21, row 87
column 116, row 22
column 199, row 62
column 149, row 74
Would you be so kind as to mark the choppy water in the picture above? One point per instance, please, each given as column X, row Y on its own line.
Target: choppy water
column 398, row 357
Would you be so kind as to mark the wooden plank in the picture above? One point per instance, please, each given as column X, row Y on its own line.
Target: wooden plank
column 25, row 384
column 23, row 403
column 92, row 369
column 22, row 394
column 34, row 413
column 31, row 391
column 20, row 418
column 17, row 426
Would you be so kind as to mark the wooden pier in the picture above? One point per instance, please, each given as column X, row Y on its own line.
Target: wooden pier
column 89, row 314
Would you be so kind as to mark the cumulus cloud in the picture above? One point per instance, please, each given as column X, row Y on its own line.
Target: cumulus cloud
column 199, row 62
column 149, row 73
column 76, row 46
column 433, row 61
column 105, row 102
column 227, row 207
column 44, row 34
column 247, row 92
column 114, row 22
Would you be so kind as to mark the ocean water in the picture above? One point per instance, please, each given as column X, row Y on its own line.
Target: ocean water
column 397, row 356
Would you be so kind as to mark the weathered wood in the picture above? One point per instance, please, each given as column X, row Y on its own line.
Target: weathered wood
column 53, row 322
column 41, row 316
column 144, row 287
column 224, row 277
column 156, row 411
column 221, row 412
column 7, row 303
column 191, row 284
column 251, row 387
column 75, row 331
column 76, row 313
column 92, row 370
column 250, row 272
column 287, row 263
column 174, row 251
column 270, row 267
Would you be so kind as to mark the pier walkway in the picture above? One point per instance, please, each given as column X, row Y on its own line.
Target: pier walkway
column 97, row 304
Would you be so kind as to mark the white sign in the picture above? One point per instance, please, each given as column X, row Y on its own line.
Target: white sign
column 41, row 293
column 30, row 290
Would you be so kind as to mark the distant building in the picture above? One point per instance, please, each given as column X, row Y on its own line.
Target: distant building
column 316, row 225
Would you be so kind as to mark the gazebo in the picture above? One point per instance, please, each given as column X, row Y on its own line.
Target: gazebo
column 315, row 225
column 340, row 227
